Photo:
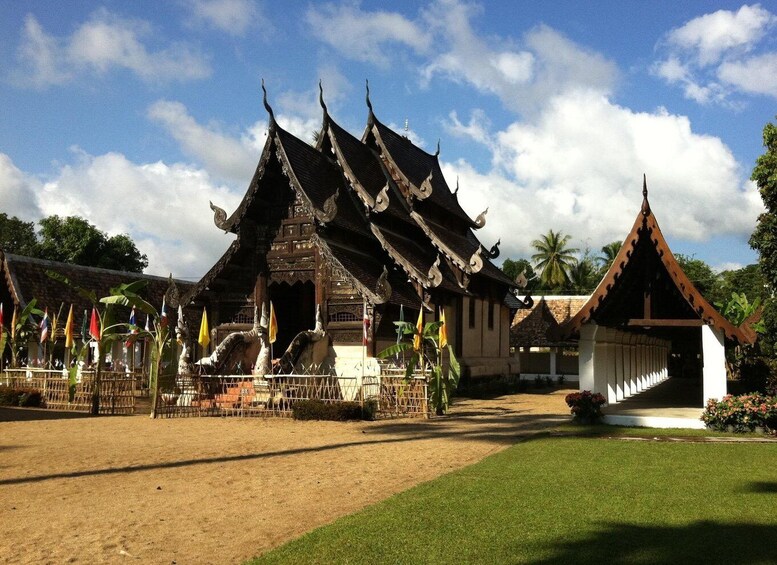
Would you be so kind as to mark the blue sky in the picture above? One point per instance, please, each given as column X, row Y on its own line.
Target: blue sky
column 136, row 114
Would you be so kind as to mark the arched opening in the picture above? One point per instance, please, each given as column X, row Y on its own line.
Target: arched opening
column 295, row 310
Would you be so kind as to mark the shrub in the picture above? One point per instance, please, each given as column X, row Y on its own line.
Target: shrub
column 741, row 413
column 335, row 411
column 586, row 406
column 539, row 382
column 27, row 397
column 560, row 380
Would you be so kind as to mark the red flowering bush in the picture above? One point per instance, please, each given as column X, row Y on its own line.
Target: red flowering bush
column 741, row 413
column 586, row 405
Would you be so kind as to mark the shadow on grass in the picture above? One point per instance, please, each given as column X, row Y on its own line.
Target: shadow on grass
column 701, row 542
column 762, row 487
column 8, row 414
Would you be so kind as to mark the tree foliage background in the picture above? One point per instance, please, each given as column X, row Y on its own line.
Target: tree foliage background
column 70, row 239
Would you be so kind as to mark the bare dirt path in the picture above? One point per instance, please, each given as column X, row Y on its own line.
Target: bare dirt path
column 211, row 490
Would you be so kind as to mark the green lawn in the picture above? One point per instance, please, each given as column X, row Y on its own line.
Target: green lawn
column 556, row 500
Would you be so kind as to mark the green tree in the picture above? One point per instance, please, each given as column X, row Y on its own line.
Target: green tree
column 748, row 280
column 583, row 276
column 554, row 259
column 609, row 253
column 17, row 236
column 74, row 240
column 515, row 268
column 702, row 276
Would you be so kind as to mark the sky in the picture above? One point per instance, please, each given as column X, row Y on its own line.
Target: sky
column 135, row 115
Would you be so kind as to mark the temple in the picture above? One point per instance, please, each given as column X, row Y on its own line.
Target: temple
column 358, row 232
column 647, row 322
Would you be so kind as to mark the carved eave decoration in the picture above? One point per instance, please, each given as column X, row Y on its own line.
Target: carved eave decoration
column 646, row 223
column 431, row 279
column 328, row 210
column 493, row 253
column 12, row 283
column 476, row 260
column 480, row 221
column 461, row 263
column 380, row 295
column 213, row 273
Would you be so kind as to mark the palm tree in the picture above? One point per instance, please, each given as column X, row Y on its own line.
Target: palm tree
column 553, row 259
column 583, row 276
column 609, row 253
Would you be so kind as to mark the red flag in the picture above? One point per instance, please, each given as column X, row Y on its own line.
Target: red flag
column 94, row 326
column 45, row 326
column 1, row 315
column 366, row 335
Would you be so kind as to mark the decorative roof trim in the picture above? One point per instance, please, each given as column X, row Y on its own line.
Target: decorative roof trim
column 647, row 221
column 476, row 260
column 460, row 262
column 425, row 280
column 362, row 192
column 219, row 217
column 480, row 221
column 493, row 253
column 372, row 297
column 212, row 274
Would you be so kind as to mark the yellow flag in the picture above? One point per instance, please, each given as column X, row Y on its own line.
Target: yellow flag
column 13, row 323
column 69, row 329
column 419, row 326
column 273, row 329
column 54, row 321
column 204, row 337
column 443, row 330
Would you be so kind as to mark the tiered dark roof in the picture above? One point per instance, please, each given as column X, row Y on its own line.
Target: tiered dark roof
column 377, row 204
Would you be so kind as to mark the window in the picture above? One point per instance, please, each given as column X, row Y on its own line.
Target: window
column 472, row 312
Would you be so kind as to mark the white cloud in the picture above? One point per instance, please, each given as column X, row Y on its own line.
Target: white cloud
column 18, row 191
column 557, row 172
column 103, row 43
column 234, row 17
column 717, row 55
column 365, row 36
column 224, row 156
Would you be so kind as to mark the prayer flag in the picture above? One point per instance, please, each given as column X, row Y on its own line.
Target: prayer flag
column 45, row 326
column 85, row 327
column 148, row 323
column 94, row 326
column 401, row 319
column 366, row 324
column 13, row 323
column 419, row 327
column 163, row 315
column 273, row 329
column 204, row 338
column 443, row 336
column 53, row 332
column 133, row 328
column 69, row 329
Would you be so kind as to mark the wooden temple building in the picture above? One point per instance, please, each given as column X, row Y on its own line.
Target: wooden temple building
column 357, row 229
column 646, row 322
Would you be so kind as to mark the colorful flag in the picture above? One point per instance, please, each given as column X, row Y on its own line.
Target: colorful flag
column 85, row 327
column 401, row 319
column 94, row 326
column 13, row 323
column 204, row 337
column 366, row 325
column 69, row 329
column 53, row 333
column 133, row 328
column 148, row 323
column 273, row 329
column 419, row 327
column 443, row 335
column 45, row 326
column 163, row 315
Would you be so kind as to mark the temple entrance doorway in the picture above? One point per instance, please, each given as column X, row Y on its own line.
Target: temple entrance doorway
column 295, row 310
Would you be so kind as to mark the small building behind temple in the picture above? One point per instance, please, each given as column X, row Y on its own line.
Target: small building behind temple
column 25, row 278
column 646, row 326
column 535, row 339
column 358, row 232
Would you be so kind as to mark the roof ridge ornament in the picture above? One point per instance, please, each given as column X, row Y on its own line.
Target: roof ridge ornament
column 267, row 105
column 381, row 200
column 456, row 191
column 369, row 104
column 329, row 211
column 383, row 287
column 645, row 203
column 435, row 275
column 480, row 221
column 476, row 261
column 219, row 217
column 425, row 190
column 437, row 153
column 493, row 253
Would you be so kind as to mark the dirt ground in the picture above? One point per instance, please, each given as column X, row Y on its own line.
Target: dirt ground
column 221, row 490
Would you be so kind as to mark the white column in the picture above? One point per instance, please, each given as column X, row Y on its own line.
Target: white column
column 585, row 362
column 631, row 366
column 619, row 371
column 714, row 360
column 609, row 361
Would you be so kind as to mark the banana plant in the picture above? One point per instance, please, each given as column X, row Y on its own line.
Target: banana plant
column 23, row 328
column 427, row 352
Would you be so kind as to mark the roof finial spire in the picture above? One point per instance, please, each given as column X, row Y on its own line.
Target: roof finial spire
column 437, row 153
column 321, row 97
column 455, row 192
column 369, row 104
column 267, row 105
column 645, row 203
